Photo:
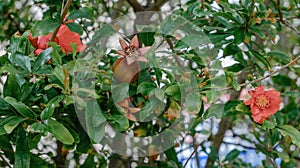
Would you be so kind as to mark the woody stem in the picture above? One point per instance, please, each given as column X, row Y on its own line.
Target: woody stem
column 63, row 15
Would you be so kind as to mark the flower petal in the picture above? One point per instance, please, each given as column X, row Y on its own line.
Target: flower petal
column 144, row 50
column 131, row 117
column 142, row 59
column 130, row 60
column 134, row 42
column 133, row 110
column 121, row 52
column 123, row 44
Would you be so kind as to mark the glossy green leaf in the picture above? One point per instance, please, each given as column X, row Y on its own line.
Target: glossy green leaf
column 84, row 12
column 106, row 31
column 261, row 58
column 287, row 130
column 42, row 58
column 145, row 88
column 120, row 92
column 292, row 94
column 193, row 102
column 232, row 155
column 21, row 108
column 59, row 131
column 38, row 128
column 119, row 122
column 212, row 95
column 44, row 27
column 239, row 36
column 12, row 124
column 22, row 61
column 75, row 27
column 11, row 87
column 52, row 104
column 174, row 91
column 48, row 111
column 3, row 122
column 268, row 124
column 22, row 153
column 19, row 45
column 283, row 80
column 94, row 114
column 281, row 56
column 215, row 110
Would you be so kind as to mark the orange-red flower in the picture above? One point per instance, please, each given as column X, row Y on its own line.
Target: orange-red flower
column 64, row 38
column 263, row 103
column 132, row 52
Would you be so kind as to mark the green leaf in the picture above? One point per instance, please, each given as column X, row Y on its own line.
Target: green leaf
column 120, row 92
column 47, row 112
column 172, row 155
column 106, row 31
column 235, row 68
column 284, row 156
column 94, row 114
column 3, row 122
column 20, row 45
column 9, row 127
column 239, row 36
column 269, row 124
column 52, row 104
column 119, row 122
column 292, row 94
column 151, row 107
column 147, row 38
column 171, row 24
column 174, row 91
column 75, row 27
column 36, row 161
column 23, row 61
column 44, row 27
column 215, row 110
column 59, row 131
column 20, row 107
column 145, row 88
column 11, row 87
column 261, row 58
column 42, row 58
column 95, row 121
column 287, row 130
column 38, row 128
column 281, row 56
column 232, row 155
column 283, row 80
column 212, row 95
column 192, row 42
column 22, row 153
column 193, row 102
column 82, row 13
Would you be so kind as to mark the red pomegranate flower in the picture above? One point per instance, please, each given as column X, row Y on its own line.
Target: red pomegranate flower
column 132, row 52
column 64, row 38
column 263, row 103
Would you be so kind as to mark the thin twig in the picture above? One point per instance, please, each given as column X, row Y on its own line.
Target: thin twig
column 3, row 159
column 282, row 20
column 63, row 15
column 267, row 76
column 190, row 157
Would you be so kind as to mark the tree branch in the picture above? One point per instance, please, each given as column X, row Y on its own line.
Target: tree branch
column 157, row 5
column 63, row 15
column 283, row 21
column 136, row 6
